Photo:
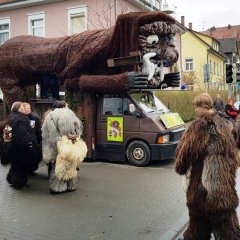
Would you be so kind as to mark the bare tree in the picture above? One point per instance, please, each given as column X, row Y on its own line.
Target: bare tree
column 189, row 78
column 103, row 14
column 196, row 78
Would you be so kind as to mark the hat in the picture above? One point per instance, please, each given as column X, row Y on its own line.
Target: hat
column 55, row 103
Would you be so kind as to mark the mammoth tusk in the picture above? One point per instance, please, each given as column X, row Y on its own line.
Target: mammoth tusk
column 148, row 66
column 162, row 72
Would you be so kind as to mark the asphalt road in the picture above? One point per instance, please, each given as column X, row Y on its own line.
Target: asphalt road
column 112, row 202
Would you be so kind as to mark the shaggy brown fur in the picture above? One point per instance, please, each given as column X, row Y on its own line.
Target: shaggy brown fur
column 207, row 156
column 81, row 59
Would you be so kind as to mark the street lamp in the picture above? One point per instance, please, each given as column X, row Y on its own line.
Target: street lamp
column 165, row 8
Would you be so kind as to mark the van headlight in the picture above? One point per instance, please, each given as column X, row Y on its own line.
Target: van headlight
column 163, row 139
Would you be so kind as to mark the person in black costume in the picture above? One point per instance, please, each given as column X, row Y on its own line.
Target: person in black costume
column 35, row 121
column 23, row 153
column 35, row 124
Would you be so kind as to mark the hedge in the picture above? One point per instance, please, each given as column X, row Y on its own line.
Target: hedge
column 181, row 101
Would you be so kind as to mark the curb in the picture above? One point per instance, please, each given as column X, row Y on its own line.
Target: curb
column 177, row 228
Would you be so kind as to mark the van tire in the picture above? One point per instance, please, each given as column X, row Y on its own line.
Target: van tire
column 138, row 154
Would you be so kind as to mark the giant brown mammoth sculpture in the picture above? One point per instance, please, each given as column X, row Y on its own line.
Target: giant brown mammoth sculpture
column 80, row 60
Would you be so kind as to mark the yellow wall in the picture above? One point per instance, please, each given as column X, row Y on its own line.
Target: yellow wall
column 205, row 38
column 192, row 47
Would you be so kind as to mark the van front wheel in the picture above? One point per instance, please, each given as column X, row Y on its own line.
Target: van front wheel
column 138, row 154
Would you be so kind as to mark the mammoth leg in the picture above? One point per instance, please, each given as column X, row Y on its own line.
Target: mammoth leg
column 12, row 92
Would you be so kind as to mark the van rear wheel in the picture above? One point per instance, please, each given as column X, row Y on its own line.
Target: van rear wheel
column 138, row 154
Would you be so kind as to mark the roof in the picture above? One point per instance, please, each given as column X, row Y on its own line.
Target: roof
column 228, row 45
column 224, row 32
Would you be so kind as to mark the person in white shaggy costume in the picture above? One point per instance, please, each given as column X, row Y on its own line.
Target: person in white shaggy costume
column 63, row 149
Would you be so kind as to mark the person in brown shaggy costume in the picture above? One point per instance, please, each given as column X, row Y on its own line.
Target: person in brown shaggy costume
column 207, row 156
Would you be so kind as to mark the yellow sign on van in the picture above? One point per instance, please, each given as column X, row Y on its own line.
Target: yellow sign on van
column 115, row 129
column 171, row 120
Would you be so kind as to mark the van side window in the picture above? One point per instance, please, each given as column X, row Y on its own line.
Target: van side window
column 118, row 105
column 111, row 105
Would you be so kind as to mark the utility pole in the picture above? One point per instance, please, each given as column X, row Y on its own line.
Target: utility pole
column 206, row 73
column 235, row 82
column 229, row 78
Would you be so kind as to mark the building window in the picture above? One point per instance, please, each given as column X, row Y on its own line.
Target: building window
column 36, row 24
column 189, row 64
column 77, row 20
column 214, row 68
column 210, row 61
column 4, row 30
column 215, row 46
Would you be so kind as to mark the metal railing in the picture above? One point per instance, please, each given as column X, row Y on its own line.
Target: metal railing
column 152, row 4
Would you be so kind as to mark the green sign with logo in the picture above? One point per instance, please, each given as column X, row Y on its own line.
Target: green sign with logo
column 115, row 129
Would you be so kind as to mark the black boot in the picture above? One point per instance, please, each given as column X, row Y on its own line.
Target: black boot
column 49, row 168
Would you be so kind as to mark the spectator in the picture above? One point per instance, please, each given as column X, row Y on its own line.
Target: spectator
column 231, row 110
column 35, row 124
column 22, row 152
column 35, row 121
column 218, row 103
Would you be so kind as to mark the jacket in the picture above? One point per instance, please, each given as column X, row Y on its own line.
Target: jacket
column 24, row 146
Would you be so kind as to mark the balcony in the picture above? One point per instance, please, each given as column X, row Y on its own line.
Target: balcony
column 155, row 5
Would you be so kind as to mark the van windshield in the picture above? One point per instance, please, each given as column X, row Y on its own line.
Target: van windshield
column 150, row 103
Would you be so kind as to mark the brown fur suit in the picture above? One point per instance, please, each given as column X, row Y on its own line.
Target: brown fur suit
column 207, row 157
column 236, row 131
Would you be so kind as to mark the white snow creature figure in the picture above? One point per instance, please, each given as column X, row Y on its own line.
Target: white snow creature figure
column 71, row 152
column 63, row 149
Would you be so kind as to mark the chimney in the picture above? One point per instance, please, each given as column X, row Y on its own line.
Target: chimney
column 190, row 26
column 182, row 20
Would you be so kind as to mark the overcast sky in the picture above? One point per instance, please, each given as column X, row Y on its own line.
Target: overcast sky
column 206, row 13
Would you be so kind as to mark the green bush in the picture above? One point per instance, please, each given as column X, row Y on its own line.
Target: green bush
column 181, row 101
